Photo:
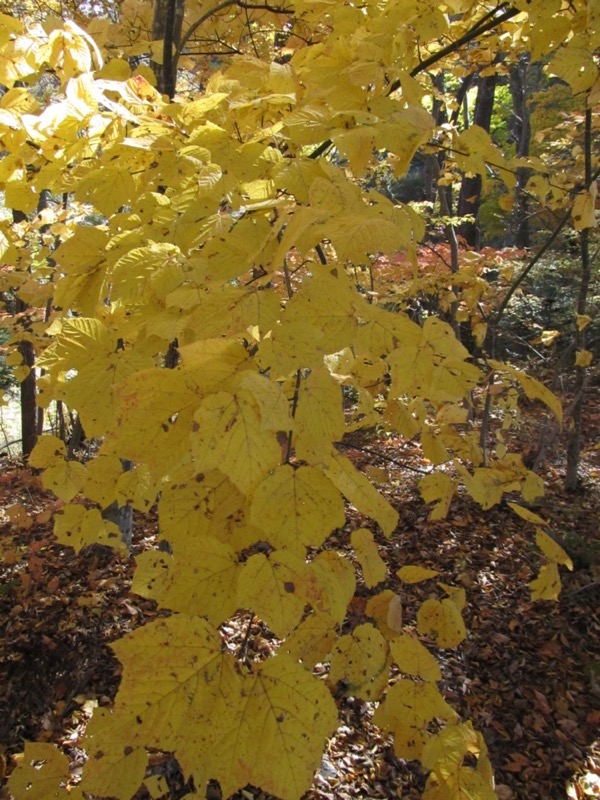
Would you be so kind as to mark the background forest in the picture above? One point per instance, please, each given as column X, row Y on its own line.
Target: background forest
column 301, row 317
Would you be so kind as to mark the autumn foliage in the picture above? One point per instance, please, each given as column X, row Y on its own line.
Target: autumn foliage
column 231, row 227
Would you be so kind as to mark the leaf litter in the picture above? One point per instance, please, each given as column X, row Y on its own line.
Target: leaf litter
column 527, row 676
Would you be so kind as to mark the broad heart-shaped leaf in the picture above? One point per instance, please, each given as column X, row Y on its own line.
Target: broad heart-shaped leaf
column 180, row 693
column 193, row 503
column 312, row 640
column 111, row 771
column 413, row 658
column 435, row 368
column 297, row 508
column 467, row 783
column 77, row 527
column 406, row 710
column 107, row 188
column 47, row 450
column 277, row 588
column 285, row 715
column 319, row 418
column 373, row 566
column 360, row 492
column 360, row 661
column 228, row 435
column 30, row 781
column 199, row 579
column 445, row 751
column 318, row 320
column 156, row 406
column 442, row 621
column 64, row 478
column 337, row 581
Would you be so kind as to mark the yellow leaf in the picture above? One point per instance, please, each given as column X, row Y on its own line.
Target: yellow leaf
column 442, row 621
column 319, row 418
column 359, row 491
column 584, row 210
column 41, row 773
column 413, row 658
column 385, row 608
column 438, row 487
column 532, row 388
column 547, row 584
column 446, row 749
column 583, row 320
column 48, row 450
column 551, row 549
column 526, row 514
column 202, row 504
column 111, row 771
column 416, row 574
column 373, row 566
column 77, row 527
column 435, row 368
column 406, row 710
column 277, row 588
column 312, row 640
column 463, row 782
column 200, row 578
column 583, row 358
column 179, row 693
column 575, row 65
column 228, row 436
column 456, row 595
column 101, row 476
column 64, row 478
column 297, row 508
column 360, row 662
column 337, row 582
column 295, row 713
column 107, row 189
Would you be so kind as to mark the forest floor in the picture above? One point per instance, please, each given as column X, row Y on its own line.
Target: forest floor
column 528, row 675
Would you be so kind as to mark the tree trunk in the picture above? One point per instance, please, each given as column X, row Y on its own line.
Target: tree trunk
column 168, row 21
column 521, row 132
column 574, row 446
column 469, row 198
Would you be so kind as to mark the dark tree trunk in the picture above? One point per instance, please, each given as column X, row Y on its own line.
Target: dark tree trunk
column 27, row 389
column 29, row 427
column 469, row 198
column 521, row 132
column 168, row 21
